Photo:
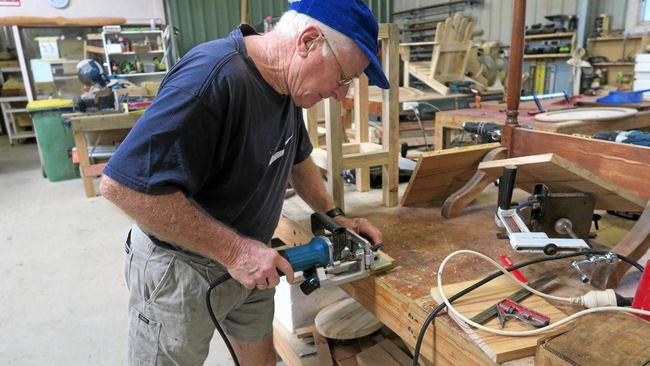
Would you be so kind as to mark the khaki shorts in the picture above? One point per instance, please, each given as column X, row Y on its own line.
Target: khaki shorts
column 169, row 322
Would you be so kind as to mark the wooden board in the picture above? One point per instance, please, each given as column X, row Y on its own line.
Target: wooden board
column 384, row 353
column 322, row 349
column 498, row 348
column 599, row 340
column 440, row 173
column 346, row 319
column 289, row 347
column 563, row 176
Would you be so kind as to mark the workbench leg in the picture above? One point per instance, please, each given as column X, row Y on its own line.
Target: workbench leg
column 634, row 245
column 84, row 161
column 460, row 199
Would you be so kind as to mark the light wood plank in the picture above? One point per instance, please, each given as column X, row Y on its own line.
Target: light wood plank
column 440, row 173
column 498, row 348
column 322, row 349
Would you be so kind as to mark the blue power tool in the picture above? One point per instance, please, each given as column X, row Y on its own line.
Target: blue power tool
column 334, row 256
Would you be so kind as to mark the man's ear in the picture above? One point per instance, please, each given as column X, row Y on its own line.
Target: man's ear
column 306, row 41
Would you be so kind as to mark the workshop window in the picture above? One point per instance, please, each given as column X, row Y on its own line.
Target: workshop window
column 645, row 11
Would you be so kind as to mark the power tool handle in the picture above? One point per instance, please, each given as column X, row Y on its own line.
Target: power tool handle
column 507, row 186
column 321, row 222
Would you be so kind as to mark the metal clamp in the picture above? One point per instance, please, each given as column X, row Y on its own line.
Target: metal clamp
column 592, row 260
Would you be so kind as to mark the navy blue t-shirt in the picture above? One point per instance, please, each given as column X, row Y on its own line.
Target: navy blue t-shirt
column 221, row 134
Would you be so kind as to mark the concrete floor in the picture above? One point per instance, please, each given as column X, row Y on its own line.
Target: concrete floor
column 62, row 294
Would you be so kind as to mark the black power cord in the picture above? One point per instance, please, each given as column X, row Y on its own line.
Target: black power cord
column 442, row 306
column 214, row 284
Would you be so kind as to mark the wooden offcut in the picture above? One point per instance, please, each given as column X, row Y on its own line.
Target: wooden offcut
column 322, row 349
column 440, row 173
column 498, row 348
column 562, row 176
column 384, row 353
column 599, row 339
column 346, row 319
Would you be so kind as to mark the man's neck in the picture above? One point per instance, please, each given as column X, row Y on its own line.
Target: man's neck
column 267, row 51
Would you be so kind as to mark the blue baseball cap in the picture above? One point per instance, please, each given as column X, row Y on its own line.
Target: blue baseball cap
column 355, row 20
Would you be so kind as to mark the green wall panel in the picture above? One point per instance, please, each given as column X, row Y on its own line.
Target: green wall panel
column 203, row 20
column 260, row 9
column 200, row 21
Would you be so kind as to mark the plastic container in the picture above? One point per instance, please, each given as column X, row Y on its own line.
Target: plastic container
column 622, row 97
column 55, row 142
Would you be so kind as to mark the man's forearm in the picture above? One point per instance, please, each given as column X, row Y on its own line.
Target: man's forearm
column 308, row 184
column 173, row 218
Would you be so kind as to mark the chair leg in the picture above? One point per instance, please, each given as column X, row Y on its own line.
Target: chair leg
column 634, row 245
column 456, row 203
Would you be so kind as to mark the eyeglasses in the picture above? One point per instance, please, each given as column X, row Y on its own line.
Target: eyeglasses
column 345, row 79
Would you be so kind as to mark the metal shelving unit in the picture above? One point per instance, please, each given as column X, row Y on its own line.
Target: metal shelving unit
column 9, row 108
column 130, row 56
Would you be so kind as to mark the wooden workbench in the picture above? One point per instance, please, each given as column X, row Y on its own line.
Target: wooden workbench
column 454, row 120
column 83, row 123
column 419, row 239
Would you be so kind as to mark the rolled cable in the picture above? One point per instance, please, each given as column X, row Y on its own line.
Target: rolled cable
column 572, row 300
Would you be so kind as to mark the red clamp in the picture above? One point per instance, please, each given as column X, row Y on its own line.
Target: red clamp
column 508, row 309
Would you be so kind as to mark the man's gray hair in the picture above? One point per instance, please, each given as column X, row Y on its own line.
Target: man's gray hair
column 292, row 23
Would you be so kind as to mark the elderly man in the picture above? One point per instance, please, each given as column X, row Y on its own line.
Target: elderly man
column 203, row 174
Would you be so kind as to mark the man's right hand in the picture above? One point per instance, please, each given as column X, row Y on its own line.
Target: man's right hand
column 257, row 265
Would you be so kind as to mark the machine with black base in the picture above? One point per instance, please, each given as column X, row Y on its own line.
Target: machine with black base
column 556, row 222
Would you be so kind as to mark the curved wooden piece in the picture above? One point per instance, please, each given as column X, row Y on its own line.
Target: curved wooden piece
column 460, row 199
column 634, row 245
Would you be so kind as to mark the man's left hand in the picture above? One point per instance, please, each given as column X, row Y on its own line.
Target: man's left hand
column 361, row 226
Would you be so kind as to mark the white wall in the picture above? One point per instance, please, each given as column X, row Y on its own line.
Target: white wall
column 135, row 11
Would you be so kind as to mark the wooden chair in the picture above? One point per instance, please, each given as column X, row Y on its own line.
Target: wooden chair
column 450, row 56
column 336, row 155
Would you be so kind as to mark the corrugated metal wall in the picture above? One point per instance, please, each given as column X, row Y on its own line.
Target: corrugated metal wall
column 203, row 20
column 616, row 9
column 494, row 17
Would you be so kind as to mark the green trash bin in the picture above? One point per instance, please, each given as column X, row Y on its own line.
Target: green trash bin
column 55, row 142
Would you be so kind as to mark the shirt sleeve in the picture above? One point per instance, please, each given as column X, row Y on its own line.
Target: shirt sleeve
column 172, row 147
column 304, row 145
